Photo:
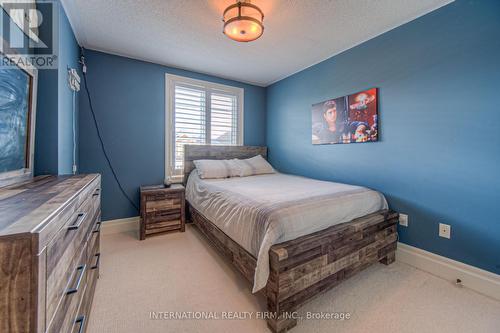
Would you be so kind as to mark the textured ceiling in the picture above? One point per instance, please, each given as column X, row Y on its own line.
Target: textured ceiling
column 188, row 33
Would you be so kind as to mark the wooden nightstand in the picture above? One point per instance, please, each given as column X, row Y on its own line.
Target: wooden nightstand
column 162, row 209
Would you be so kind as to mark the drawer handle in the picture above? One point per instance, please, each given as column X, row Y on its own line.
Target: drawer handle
column 96, row 266
column 79, row 281
column 96, row 192
column 98, row 228
column 78, row 222
column 80, row 320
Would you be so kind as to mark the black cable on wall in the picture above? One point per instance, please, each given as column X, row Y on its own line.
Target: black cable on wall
column 103, row 148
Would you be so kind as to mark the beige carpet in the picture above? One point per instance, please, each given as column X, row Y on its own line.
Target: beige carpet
column 181, row 272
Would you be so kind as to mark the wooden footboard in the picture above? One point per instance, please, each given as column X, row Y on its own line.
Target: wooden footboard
column 309, row 265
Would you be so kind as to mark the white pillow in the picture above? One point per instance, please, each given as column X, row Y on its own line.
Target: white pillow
column 216, row 168
column 256, row 165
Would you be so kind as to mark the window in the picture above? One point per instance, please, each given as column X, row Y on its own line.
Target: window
column 199, row 112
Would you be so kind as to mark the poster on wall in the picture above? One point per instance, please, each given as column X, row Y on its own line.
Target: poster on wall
column 348, row 119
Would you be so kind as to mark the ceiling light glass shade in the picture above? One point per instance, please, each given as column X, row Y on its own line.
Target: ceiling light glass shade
column 243, row 22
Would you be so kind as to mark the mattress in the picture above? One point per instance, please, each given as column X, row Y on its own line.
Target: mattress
column 260, row 211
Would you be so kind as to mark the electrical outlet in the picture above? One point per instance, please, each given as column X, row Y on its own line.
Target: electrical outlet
column 444, row 230
column 403, row 220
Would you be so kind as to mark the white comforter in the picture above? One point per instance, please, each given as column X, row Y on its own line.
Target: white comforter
column 259, row 211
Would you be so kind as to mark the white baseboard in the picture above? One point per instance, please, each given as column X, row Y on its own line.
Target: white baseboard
column 120, row 225
column 479, row 280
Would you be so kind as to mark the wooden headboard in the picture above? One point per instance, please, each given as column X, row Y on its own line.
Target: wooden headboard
column 207, row 152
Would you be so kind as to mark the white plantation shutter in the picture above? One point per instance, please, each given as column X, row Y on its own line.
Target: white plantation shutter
column 189, row 121
column 223, row 119
column 200, row 112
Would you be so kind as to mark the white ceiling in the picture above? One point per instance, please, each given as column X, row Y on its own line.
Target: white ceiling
column 188, row 33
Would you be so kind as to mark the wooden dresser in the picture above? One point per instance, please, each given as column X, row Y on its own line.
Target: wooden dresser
column 162, row 209
column 49, row 253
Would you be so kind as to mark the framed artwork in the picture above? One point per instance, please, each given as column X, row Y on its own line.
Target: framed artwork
column 348, row 119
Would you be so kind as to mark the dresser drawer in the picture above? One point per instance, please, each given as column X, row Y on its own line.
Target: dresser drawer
column 94, row 235
column 93, row 259
column 48, row 231
column 71, row 297
column 94, row 255
column 62, row 253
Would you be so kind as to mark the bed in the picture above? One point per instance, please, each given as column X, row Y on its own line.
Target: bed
column 291, row 237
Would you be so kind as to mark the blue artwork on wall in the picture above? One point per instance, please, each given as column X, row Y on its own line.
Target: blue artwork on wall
column 14, row 118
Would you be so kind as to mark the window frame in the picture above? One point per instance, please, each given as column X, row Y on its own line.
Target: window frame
column 170, row 82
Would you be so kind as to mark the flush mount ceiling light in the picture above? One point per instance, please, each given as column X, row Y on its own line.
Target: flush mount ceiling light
column 243, row 22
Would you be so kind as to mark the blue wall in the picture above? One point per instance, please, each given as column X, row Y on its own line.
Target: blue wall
column 46, row 132
column 439, row 153
column 129, row 101
column 54, row 130
column 69, row 54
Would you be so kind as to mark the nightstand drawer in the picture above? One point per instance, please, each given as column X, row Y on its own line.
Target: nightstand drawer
column 163, row 215
column 174, row 224
column 170, row 203
column 161, row 196
column 152, row 229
